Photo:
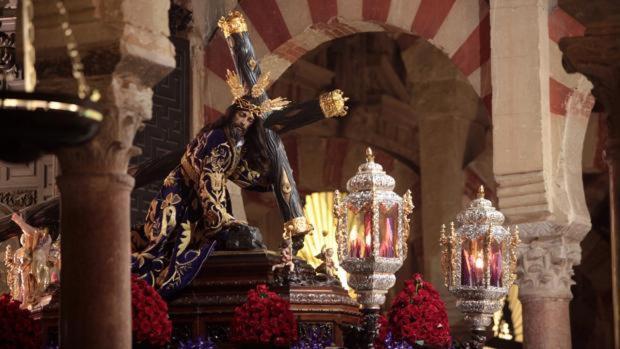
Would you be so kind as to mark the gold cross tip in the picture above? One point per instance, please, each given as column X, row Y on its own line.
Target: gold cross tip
column 369, row 155
column 234, row 23
column 333, row 104
column 481, row 192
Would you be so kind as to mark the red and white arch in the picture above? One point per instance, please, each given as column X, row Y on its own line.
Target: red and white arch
column 570, row 101
column 284, row 30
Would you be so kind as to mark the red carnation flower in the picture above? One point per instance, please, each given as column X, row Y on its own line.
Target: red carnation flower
column 264, row 318
column 417, row 315
column 17, row 328
column 150, row 322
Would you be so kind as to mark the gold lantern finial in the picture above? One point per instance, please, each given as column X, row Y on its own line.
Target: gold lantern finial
column 370, row 157
column 234, row 23
column 481, row 192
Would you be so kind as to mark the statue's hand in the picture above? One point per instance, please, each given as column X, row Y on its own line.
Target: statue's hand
column 17, row 218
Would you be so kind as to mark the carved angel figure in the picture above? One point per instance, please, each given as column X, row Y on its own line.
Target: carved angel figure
column 328, row 267
column 286, row 256
column 28, row 268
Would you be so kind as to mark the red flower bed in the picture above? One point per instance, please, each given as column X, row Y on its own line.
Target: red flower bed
column 150, row 322
column 418, row 316
column 17, row 328
column 265, row 318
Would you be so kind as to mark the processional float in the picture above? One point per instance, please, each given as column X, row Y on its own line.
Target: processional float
column 478, row 257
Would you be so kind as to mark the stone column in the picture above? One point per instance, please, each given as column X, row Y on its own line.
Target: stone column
column 544, row 272
column 537, row 165
column 597, row 56
column 125, row 51
column 612, row 155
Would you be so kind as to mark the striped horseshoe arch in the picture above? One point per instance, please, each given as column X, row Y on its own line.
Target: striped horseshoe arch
column 284, row 30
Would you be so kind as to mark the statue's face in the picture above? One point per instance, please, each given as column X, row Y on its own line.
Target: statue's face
column 242, row 121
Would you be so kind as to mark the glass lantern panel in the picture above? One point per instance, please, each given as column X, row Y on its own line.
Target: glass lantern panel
column 359, row 229
column 472, row 262
column 496, row 264
column 388, row 228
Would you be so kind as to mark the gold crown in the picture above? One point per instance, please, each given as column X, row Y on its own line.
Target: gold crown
column 333, row 104
column 233, row 23
column 240, row 93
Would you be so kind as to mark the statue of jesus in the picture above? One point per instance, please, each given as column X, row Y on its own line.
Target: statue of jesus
column 193, row 209
column 193, row 206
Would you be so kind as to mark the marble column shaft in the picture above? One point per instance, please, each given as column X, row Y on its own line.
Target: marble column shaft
column 125, row 51
column 95, row 303
column 613, row 163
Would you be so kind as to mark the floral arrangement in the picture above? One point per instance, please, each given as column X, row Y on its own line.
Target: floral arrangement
column 265, row 318
column 17, row 328
column 417, row 317
column 150, row 322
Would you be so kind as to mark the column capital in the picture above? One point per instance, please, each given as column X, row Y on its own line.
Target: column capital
column 125, row 51
column 545, row 267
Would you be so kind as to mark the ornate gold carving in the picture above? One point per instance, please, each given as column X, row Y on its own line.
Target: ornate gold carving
column 277, row 103
column 407, row 210
column 238, row 90
column 234, row 23
column 514, row 243
column 453, row 255
column 260, row 85
column 252, row 63
column 444, row 242
column 236, row 86
column 333, row 104
column 296, row 226
column 339, row 212
column 286, row 186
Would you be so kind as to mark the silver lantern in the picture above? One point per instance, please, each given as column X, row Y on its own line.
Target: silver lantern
column 478, row 260
column 372, row 232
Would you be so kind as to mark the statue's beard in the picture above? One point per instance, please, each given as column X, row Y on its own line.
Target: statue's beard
column 238, row 132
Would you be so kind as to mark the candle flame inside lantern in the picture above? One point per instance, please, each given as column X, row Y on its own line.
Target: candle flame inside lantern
column 479, row 262
column 353, row 246
column 368, row 234
column 387, row 245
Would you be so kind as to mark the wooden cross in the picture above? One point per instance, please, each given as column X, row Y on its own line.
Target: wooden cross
column 330, row 104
